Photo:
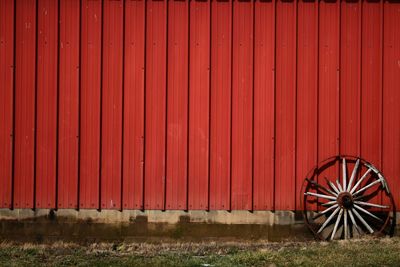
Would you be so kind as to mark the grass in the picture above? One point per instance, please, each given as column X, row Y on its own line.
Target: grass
column 363, row 252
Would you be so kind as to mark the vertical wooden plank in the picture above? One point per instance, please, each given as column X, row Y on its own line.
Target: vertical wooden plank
column 371, row 84
column 46, row 139
column 220, row 144
column 90, row 104
column 242, row 105
column 350, row 68
column 391, row 97
column 307, row 92
column 156, row 60
column 177, row 105
column 6, row 100
column 199, row 106
column 328, row 95
column 111, row 105
column 264, row 104
column 25, row 86
column 68, row 120
column 285, row 106
column 133, row 142
column 350, row 80
column 371, row 91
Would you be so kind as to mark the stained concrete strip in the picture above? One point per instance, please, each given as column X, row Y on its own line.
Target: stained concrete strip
column 155, row 216
column 152, row 225
column 169, row 216
column 83, row 225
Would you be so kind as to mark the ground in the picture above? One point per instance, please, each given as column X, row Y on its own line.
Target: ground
column 363, row 252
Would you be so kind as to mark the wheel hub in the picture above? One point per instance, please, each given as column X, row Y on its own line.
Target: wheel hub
column 345, row 200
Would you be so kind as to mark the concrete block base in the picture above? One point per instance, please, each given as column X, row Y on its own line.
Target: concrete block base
column 151, row 225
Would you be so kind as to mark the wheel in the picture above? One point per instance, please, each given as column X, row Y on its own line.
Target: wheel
column 347, row 197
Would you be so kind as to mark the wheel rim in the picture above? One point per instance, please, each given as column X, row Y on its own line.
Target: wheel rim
column 347, row 197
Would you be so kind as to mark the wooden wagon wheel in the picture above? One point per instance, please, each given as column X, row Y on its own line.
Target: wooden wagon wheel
column 346, row 197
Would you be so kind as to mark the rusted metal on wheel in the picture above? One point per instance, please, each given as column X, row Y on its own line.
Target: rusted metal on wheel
column 346, row 197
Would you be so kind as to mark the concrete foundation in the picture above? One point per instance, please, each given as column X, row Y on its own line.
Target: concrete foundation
column 152, row 225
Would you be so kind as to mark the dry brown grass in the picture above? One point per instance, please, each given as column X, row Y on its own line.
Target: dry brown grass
column 361, row 252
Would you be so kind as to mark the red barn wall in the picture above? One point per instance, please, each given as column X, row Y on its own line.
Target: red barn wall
column 192, row 105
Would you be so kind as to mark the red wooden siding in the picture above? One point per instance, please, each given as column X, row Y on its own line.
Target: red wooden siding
column 391, row 96
column 177, row 104
column 328, row 83
column 199, row 105
column 183, row 105
column 242, row 105
column 221, row 99
column 307, row 92
column 68, row 102
column 285, row 105
column 350, row 78
column 133, row 123
column 90, row 101
column 371, row 85
column 156, row 104
column 7, row 34
column 25, row 103
column 264, row 105
column 46, row 100
column 111, row 105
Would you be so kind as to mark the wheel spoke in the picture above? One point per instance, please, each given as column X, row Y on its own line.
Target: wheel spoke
column 344, row 166
column 345, row 224
column 322, row 187
column 353, row 175
column 353, row 221
column 367, row 212
column 367, row 186
column 332, row 185
column 363, row 221
column 320, row 195
column 336, row 224
column 339, row 186
column 325, row 211
column 329, row 203
column 371, row 204
column 360, row 181
column 329, row 191
column 328, row 220
column 366, row 197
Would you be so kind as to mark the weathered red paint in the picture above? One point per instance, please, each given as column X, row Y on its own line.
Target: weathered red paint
column 217, row 105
